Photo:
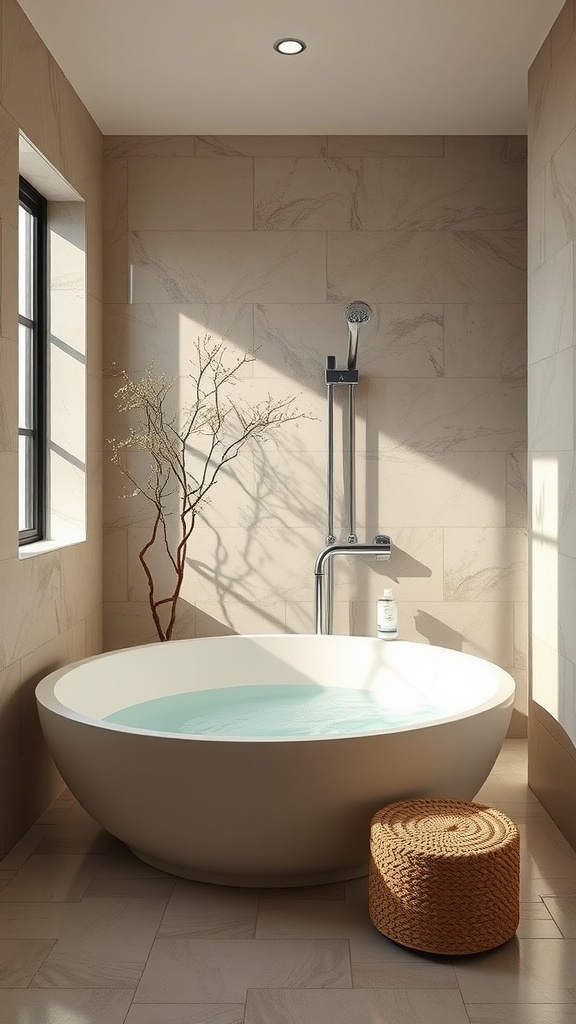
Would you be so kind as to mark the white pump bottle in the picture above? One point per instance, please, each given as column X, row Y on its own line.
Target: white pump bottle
column 387, row 617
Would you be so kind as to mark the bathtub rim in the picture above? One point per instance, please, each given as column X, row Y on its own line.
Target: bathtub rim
column 46, row 696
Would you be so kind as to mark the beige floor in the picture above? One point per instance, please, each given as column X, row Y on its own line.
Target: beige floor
column 91, row 935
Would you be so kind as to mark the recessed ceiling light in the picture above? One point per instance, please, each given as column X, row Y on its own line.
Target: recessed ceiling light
column 289, row 46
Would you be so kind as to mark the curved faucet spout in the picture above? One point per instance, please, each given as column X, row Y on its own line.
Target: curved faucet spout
column 380, row 548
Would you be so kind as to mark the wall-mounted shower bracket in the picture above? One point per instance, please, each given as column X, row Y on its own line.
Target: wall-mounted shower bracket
column 335, row 376
column 356, row 313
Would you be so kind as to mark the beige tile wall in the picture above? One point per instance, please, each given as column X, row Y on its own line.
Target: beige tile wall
column 50, row 605
column 551, row 427
column 263, row 242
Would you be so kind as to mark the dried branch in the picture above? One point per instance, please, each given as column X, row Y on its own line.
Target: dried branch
column 222, row 425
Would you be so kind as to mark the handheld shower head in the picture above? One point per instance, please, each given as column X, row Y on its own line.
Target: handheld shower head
column 356, row 313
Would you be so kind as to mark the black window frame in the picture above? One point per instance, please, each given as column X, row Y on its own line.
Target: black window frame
column 37, row 206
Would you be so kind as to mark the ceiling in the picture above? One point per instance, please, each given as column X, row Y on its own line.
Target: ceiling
column 385, row 67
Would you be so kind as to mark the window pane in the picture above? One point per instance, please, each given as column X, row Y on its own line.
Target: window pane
column 25, row 482
column 25, row 263
column 25, row 377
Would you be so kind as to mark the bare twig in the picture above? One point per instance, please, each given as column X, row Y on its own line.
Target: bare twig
column 174, row 491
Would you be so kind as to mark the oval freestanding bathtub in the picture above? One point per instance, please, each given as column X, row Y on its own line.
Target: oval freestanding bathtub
column 270, row 810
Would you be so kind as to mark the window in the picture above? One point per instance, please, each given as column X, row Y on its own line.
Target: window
column 32, row 360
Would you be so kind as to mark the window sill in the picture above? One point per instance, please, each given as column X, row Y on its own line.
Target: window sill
column 42, row 547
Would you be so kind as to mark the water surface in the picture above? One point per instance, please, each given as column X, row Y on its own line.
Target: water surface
column 273, row 711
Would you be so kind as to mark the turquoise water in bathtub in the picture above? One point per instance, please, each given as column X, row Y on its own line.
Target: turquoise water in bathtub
column 271, row 711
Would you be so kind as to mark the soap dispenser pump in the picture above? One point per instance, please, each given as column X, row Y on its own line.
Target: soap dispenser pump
column 387, row 617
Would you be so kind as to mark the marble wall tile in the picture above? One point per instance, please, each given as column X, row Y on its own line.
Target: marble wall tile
column 567, row 696
column 544, row 550
column 482, row 628
column 224, row 266
column 412, row 489
column 30, row 604
column 447, row 266
column 166, row 335
column 261, row 145
column 516, row 489
column 228, row 616
column 127, row 624
column 485, row 564
column 31, row 783
column 9, row 277
column 68, row 405
column 544, row 674
column 94, row 427
column 308, row 433
column 94, row 318
column 115, row 567
column 115, row 261
column 485, row 340
column 64, row 649
column 419, row 194
column 80, row 562
column 414, row 570
column 10, row 716
column 560, row 202
column 27, row 92
column 8, row 505
column 8, row 395
column 487, row 149
column 385, row 145
column 263, row 582
column 567, row 606
column 94, row 245
column 255, row 567
column 518, row 728
column 67, row 248
column 123, row 508
column 94, row 627
column 300, row 617
column 190, row 194
column 443, row 416
column 37, row 99
column 42, row 101
column 308, row 194
column 553, row 105
column 565, row 497
column 551, row 403
column 537, row 221
column 118, row 147
column 538, row 74
column 551, row 323
column 401, row 340
column 521, row 634
column 562, row 29
column 9, row 168
column 291, row 491
column 68, row 319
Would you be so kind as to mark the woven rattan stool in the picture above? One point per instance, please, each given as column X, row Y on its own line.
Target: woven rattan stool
column 444, row 875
